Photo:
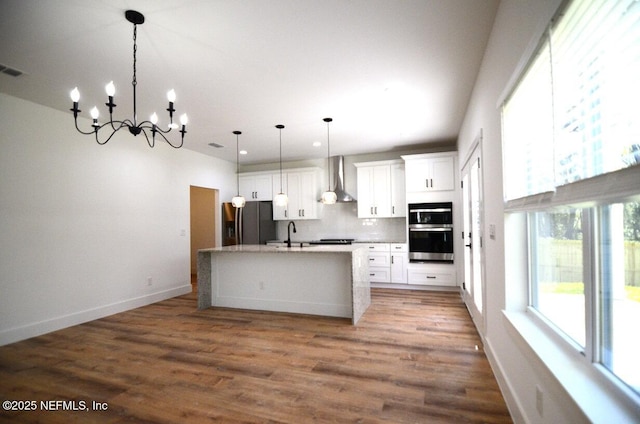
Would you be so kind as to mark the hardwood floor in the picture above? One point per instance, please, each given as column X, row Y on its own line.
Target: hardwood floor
column 415, row 357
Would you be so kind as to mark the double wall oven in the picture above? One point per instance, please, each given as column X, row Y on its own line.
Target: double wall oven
column 430, row 232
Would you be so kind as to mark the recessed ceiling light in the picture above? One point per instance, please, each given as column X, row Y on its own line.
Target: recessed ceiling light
column 317, row 144
column 243, row 152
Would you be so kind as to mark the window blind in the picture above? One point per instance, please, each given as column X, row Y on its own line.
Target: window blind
column 575, row 114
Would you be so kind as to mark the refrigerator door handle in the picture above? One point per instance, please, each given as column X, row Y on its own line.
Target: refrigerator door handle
column 238, row 225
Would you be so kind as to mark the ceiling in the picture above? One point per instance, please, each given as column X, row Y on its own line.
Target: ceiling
column 393, row 74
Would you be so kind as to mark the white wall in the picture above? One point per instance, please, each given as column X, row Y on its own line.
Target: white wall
column 83, row 226
column 516, row 30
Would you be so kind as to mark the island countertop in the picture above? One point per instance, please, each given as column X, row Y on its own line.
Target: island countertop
column 330, row 280
column 295, row 248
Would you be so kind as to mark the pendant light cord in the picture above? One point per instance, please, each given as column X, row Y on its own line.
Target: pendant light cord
column 280, row 160
column 237, row 133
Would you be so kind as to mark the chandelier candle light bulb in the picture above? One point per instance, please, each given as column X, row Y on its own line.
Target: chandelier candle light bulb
column 135, row 128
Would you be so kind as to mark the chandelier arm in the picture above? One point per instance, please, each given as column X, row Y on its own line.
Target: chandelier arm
column 80, row 131
column 175, row 146
column 150, row 127
column 97, row 129
column 151, row 142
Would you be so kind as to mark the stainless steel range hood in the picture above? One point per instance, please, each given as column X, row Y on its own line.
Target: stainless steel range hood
column 337, row 168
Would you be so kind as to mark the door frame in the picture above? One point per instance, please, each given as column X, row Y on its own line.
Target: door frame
column 477, row 241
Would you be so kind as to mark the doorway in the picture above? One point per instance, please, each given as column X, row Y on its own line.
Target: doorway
column 204, row 215
column 473, row 219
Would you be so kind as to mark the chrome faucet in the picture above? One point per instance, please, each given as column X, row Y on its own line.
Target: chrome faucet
column 289, row 232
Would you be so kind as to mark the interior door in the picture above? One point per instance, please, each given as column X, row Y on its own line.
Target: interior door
column 473, row 292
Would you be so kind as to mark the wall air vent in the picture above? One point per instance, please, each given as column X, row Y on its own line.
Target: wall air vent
column 10, row 71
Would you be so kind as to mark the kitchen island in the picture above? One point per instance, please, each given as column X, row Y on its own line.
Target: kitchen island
column 316, row 280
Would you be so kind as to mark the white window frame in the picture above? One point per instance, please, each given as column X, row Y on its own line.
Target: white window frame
column 575, row 368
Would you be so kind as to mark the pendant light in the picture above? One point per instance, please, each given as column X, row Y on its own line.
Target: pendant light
column 328, row 197
column 280, row 199
column 238, row 201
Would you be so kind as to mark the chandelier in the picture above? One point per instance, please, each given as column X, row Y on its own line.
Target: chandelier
column 135, row 128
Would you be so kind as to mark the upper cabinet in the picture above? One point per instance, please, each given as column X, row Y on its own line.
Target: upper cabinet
column 398, row 190
column 381, row 192
column 429, row 172
column 301, row 187
column 256, row 186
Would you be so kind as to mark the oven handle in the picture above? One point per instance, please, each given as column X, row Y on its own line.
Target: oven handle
column 430, row 229
column 431, row 210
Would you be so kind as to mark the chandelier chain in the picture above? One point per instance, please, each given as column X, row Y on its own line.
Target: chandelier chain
column 135, row 50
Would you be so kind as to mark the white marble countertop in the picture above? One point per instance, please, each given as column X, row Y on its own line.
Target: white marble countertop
column 295, row 248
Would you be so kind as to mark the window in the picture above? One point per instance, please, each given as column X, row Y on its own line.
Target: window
column 571, row 142
column 557, row 271
column 619, row 294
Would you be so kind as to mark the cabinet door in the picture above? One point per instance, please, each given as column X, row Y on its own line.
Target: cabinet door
column 442, row 173
column 382, row 191
column 255, row 187
column 364, row 183
column 263, row 188
column 246, row 187
column 374, row 191
column 398, row 192
column 308, row 195
column 398, row 267
column 431, row 174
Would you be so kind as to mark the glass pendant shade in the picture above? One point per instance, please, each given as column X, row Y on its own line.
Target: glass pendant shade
column 281, row 199
column 238, row 201
column 329, row 197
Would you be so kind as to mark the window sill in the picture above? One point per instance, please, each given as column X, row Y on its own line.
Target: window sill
column 598, row 397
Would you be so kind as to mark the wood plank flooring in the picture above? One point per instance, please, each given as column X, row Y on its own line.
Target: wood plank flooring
column 415, row 357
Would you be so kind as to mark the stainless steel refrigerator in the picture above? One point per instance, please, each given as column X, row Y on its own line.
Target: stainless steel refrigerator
column 252, row 224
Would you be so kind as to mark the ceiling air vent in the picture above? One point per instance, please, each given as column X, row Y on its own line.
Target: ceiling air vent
column 10, row 71
column 216, row 145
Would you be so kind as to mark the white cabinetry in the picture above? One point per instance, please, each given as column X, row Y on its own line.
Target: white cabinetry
column 432, row 274
column 399, row 262
column 381, row 192
column 398, row 190
column 388, row 262
column 429, row 172
column 379, row 263
column 255, row 186
column 301, row 187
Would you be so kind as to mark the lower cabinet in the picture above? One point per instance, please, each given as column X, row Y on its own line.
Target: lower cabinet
column 431, row 274
column 387, row 262
column 399, row 262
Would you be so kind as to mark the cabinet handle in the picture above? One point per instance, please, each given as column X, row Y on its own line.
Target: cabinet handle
column 376, row 209
column 285, row 213
column 431, row 182
column 426, row 183
column 392, row 260
column 372, row 275
column 371, row 210
column 393, row 210
column 371, row 260
column 431, row 277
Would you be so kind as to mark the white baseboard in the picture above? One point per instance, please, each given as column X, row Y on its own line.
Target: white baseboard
column 17, row 334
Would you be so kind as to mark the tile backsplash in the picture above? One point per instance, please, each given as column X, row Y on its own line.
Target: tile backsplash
column 341, row 221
